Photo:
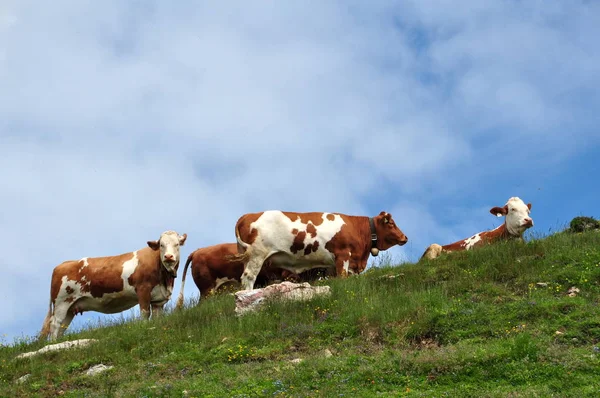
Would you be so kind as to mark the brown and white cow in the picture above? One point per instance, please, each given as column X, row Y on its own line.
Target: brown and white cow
column 301, row 241
column 216, row 265
column 114, row 284
column 517, row 221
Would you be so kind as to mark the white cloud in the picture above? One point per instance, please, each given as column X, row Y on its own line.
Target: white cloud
column 121, row 121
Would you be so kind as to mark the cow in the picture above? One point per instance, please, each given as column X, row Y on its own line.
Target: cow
column 302, row 241
column 114, row 284
column 516, row 222
column 214, row 266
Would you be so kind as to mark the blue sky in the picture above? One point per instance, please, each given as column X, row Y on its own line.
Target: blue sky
column 119, row 120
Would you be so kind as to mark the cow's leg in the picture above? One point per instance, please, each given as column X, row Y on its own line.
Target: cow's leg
column 205, row 292
column 290, row 276
column 251, row 271
column 60, row 320
column 144, row 296
column 206, row 287
column 157, row 310
column 65, row 323
column 342, row 265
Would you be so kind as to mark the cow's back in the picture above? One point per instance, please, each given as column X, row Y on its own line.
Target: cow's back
column 97, row 276
column 296, row 234
column 214, row 262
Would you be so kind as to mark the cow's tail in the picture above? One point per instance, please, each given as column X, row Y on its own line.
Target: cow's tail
column 244, row 249
column 46, row 325
column 179, row 304
column 433, row 251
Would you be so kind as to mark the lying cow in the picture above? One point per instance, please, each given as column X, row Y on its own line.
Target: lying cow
column 215, row 266
column 114, row 284
column 517, row 221
column 301, row 241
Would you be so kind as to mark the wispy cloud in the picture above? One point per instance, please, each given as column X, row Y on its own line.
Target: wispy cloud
column 121, row 120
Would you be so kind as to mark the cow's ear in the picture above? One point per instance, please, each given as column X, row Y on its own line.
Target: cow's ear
column 529, row 206
column 153, row 244
column 384, row 217
column 182, row 239
column 499, row 211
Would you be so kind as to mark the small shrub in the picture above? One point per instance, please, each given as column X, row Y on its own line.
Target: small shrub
column 74, row 366
column 581, row 224
column 241, row 353
column 524, row 347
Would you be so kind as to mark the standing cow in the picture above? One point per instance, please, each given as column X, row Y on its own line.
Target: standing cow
column 517, row 221
column 216, row 265
column 301, row 241
column 114, row 284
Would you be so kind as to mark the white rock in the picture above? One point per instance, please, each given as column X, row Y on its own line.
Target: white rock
column 59, row 346
column 23, row 379
column 250, row 300
column 390, row 276
column 97, row 369
column 297, row 360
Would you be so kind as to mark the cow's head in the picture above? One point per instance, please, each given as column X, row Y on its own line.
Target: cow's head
column 169, row 244
column 388, row 233
column 517, row 215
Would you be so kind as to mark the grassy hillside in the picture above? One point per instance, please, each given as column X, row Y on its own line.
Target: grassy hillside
column 473, row 324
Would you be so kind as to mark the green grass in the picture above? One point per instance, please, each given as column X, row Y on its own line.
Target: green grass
column 471, row 324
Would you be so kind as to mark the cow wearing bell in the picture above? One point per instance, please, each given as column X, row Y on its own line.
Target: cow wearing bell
column 516, row 222
column 114, row 284
column 214, row 266
column 299, row 242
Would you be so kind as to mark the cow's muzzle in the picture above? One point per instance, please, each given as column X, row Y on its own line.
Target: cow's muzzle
column 528, row 223
column 170, row 267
